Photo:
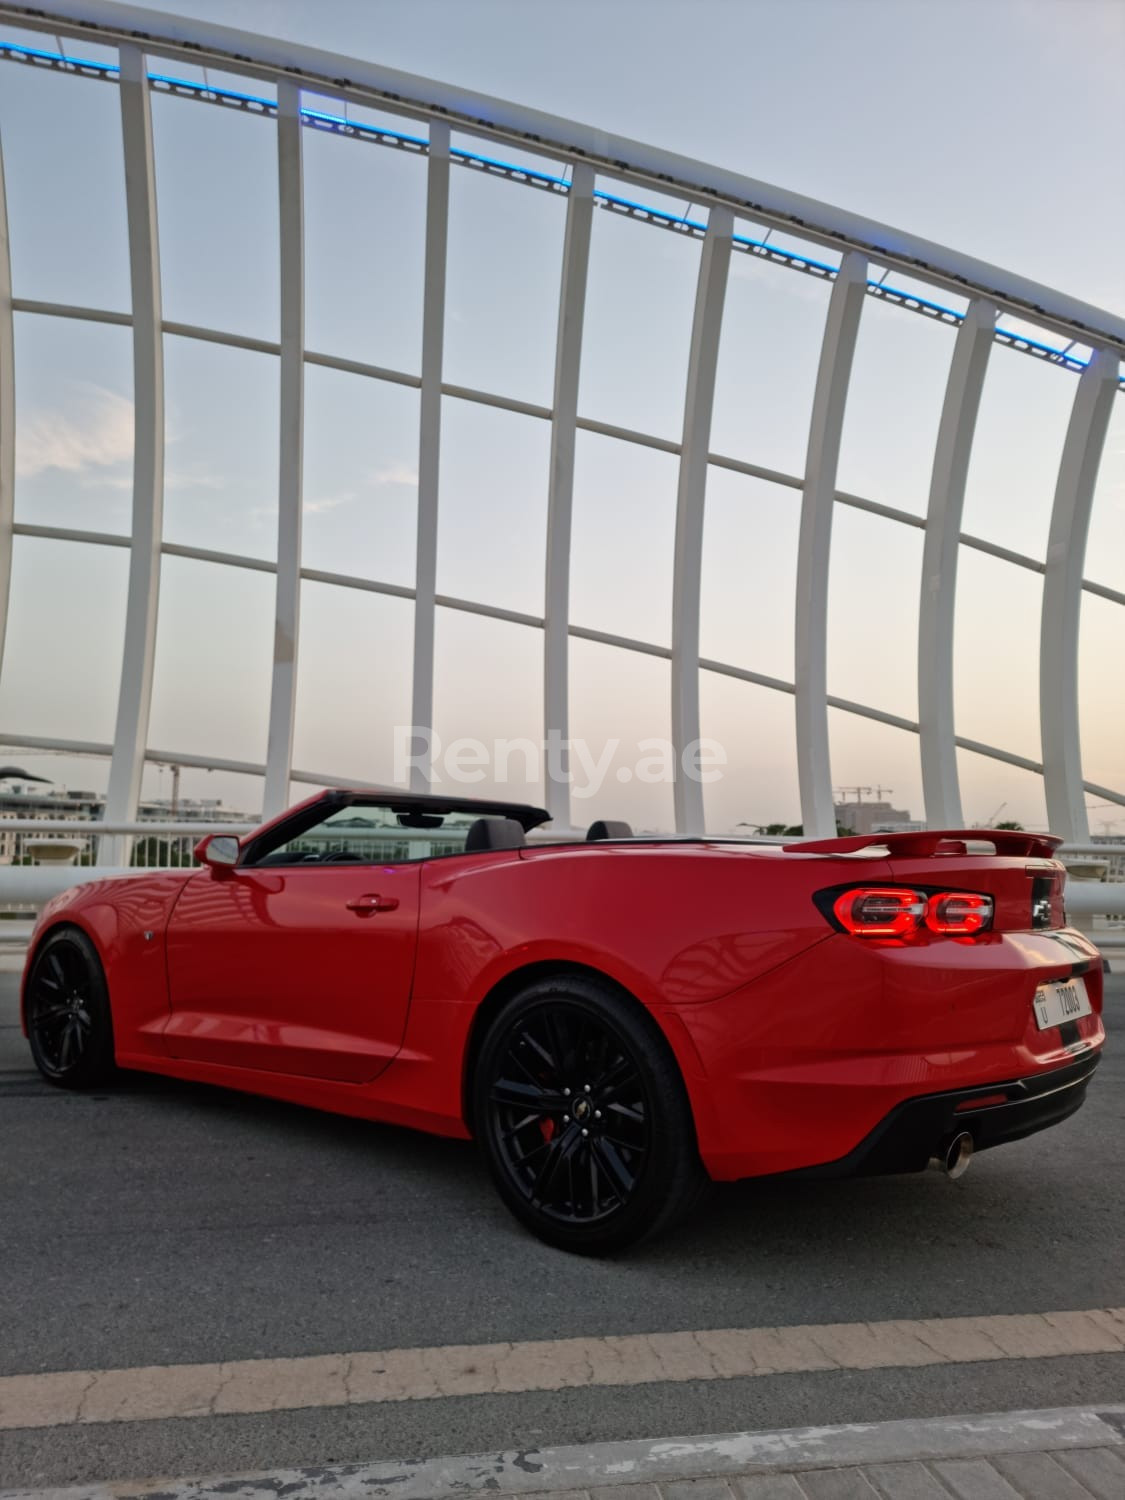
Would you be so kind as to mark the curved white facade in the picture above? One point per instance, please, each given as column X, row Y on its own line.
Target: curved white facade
column 623, row 408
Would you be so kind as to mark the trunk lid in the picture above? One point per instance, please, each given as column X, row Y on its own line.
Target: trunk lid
column 1016, row 869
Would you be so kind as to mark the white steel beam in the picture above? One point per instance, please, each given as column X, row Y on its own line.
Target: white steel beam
column 7, row 414
column 287, row 611
column 560, row 500
column 699, row 400
column 429, row 440
column 940, row 784
column 199, row 41
column 135, row 697
column 1062, row 597
column 814, row 546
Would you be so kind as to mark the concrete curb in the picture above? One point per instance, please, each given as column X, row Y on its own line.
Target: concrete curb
column 538, row 1471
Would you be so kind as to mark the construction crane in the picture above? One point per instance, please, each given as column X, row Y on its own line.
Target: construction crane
column 1109, row 825
column 175, row 770
column 879, row 792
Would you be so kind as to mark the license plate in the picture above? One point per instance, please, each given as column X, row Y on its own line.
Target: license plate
column 1059, row 1002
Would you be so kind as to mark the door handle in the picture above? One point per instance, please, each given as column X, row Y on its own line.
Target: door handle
column 365, row 905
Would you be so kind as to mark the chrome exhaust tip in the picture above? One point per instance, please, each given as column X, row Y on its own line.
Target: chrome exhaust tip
column 954, row 1156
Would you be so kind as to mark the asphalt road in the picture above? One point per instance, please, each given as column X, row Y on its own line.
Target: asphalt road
column 164, row 1223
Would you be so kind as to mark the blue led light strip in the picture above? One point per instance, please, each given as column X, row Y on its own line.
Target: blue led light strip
column 531, row 176
column 58, row 60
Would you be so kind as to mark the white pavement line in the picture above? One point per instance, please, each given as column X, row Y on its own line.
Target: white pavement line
column 646, row 1461
column 160, row 1392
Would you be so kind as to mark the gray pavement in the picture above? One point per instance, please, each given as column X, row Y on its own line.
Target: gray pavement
column 165, row 1223
column 1068, row 1454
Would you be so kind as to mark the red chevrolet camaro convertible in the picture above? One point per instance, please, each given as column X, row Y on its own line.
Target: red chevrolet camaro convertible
column 616, row 1021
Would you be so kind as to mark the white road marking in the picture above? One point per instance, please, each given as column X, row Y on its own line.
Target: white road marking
column 259, row 1385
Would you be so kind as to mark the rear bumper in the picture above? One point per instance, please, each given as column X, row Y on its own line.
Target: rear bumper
column 913, row 1132
column 807, row 1065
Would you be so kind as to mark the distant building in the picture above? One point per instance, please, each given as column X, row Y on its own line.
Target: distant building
column 21, row 801
column 1115, row 863
column 875, row 817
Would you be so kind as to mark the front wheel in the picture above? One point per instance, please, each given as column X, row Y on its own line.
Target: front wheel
column 69, row 1024
column 583, row 1117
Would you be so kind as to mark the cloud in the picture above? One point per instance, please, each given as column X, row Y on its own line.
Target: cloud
column 327, row 502
column 96, row 432
column 181, row 479
column 122, row 482
column 174, row 479
column 399, row 473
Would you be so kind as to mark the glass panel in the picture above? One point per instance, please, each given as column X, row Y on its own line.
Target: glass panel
column 216, row 176
column 365, row 237
column 66, row 631
column 488, row 708
column 74, row 424
column 502, row 283
column 640, row 300
column 882, row 761
column 221, row 453
column 895, row 397
column 353, row 682
column 620, row 703
column 623, row 539
column 65, row 175
column 1100, row 699
column 992, row 792
column 82, row 50
column 996, row 641
column 755, row 727
column 361, row 476
column 1105, row 547
column 875, row 578
column 363, row 835
column 1024, row 411
column 492, row 524
column 897, row 281
column 769, row 352
column 214, row 659
column 211, row 80
column 749, row 573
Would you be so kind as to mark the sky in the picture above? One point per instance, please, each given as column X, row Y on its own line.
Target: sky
column 989, row 127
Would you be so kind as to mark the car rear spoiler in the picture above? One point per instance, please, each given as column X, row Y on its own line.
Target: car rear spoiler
column 920, row 845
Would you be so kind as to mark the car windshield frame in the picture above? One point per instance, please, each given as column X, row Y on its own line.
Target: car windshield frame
column 410, row 809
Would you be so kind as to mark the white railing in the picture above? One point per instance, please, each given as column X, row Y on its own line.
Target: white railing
column 41, row 856
column 82, row 843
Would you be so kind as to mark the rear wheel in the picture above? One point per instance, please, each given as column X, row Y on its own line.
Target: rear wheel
column 69, row 1024
column 583, row 1117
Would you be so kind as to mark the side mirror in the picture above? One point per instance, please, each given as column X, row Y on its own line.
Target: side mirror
column 218, row 850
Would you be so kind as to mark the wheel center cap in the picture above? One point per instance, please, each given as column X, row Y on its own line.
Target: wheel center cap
column 582, row 1109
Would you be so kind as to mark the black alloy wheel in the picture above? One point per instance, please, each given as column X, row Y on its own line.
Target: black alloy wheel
column 69, row 1024
column 584, row 1118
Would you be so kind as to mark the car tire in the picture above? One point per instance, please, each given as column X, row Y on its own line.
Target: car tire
column 583, row 1117
column 69, row 1023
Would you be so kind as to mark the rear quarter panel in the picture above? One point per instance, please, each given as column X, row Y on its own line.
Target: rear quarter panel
column 674, row 926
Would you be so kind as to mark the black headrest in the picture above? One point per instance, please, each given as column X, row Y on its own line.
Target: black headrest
column 494, row 833
column 606, row 828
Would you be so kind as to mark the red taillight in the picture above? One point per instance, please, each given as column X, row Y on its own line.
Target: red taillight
column 958, row 913
column 872, row 911
column 899, row 912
